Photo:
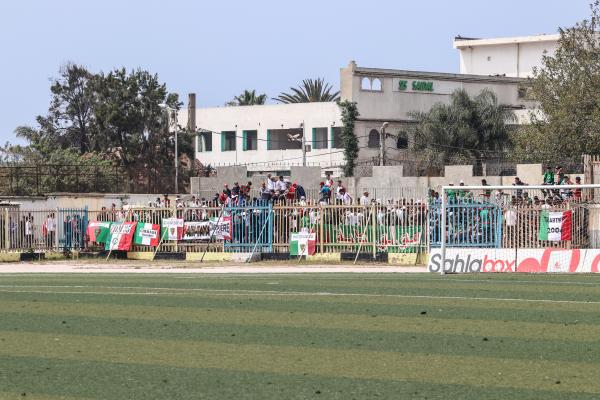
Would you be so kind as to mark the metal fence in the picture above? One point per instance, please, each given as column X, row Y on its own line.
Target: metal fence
column 401, row 226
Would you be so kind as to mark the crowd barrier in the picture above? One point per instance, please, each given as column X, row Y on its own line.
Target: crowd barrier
column 400, row 226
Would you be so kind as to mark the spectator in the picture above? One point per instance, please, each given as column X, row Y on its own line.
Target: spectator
column 345, row 199
column 265, row 193
column 235, row 190
column 290, row 193
column 338, row 189
column 577, row 192
column 281, row 186
column 364, row 199
column 461, row 192
column 51, row 230
column 325, row 193
column 29, row 231
column 519, row 182
column 451, row 193
column 226, row 190
column 270, row 182
column 328, row 181
column 558, row 175
column 548, row 176
column 486, row 193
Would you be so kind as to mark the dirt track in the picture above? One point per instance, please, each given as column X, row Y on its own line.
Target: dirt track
column 140, row 267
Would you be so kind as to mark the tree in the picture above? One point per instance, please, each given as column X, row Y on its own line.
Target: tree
column 349, row 112
column 311, row 90
column 248, row 98
column 120, row 116
column 567, row 122
column 467, row 129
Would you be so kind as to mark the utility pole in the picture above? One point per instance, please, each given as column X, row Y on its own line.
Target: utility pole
column 382, row 144
column 303, row 144
column 176, row 154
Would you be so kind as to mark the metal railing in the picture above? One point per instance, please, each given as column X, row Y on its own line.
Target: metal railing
column 401, row 226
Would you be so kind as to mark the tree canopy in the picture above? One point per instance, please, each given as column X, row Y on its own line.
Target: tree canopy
column 567, row 122
column 467, row 129
column 309, row 91
column 248, row 98
column 121, row 117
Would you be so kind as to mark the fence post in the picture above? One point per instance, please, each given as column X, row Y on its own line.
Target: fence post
column 321, row 228
column 6, row 229
column 374, row 227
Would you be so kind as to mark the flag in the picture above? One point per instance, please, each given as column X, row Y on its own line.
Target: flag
column 146, row 234
column 302, row 243
column 121, row 236
column 171, row 229
column 98, row 231
column 556, row 226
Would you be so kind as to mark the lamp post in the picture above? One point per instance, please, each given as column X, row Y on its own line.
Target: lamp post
column 303, row 144
column 382, row 144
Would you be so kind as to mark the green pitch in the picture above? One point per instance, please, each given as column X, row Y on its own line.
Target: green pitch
column 310, row 336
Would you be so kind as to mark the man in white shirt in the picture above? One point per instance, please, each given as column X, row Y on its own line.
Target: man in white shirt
column 281, row 186
column 338, row 190
column 269, row 183
column 365, row 200
column 345, row 198
column 51, row 229
column 328, row 181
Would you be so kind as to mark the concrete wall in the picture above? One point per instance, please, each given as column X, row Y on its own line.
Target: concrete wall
column 261, row 119
column 394, row 103
column 514, row 57
column 386, row 181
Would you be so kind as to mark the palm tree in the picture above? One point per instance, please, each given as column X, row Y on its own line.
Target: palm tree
column 248, row 98
column 311, row 90
column 466, row 130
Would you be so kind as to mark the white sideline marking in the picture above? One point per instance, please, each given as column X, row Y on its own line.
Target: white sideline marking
column 227, row 292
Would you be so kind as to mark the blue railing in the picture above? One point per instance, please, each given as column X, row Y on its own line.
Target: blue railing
column 469, row 223
column 252, row 228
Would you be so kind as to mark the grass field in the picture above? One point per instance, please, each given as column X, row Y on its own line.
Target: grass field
column 342, row 336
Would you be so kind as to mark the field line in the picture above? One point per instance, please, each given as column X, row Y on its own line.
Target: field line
column 242, row 292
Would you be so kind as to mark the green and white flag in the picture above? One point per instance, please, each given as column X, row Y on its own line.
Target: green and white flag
column 302, row 243
column 146, row 234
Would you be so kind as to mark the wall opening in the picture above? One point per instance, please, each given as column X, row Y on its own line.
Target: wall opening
column 228, row 140
column 337, row 138
column 402, row 142
column 373, row 139
column 319, row 138
column 286, row 139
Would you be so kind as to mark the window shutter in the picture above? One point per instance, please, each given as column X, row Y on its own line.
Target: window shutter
column 244, row 140
column 331, row 138
column 314, row 138
column 222, row 141
column 268, row 139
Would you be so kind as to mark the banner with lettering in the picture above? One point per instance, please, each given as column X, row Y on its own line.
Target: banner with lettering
column 215, row 228
column 121, row 236
column 556, row 226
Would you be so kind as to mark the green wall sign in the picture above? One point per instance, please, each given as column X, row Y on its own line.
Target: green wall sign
column 417, row 86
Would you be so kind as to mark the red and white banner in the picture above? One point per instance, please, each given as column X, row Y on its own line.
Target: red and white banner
column 121, row 236
column 549, row 260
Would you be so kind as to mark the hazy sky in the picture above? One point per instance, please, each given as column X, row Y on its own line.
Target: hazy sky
column 218, row 48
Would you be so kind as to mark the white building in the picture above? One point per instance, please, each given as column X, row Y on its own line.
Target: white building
column 512, row 56
column 270, row 137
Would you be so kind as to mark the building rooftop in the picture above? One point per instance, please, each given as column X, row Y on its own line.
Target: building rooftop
column 461, row 42
column 434, row 75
